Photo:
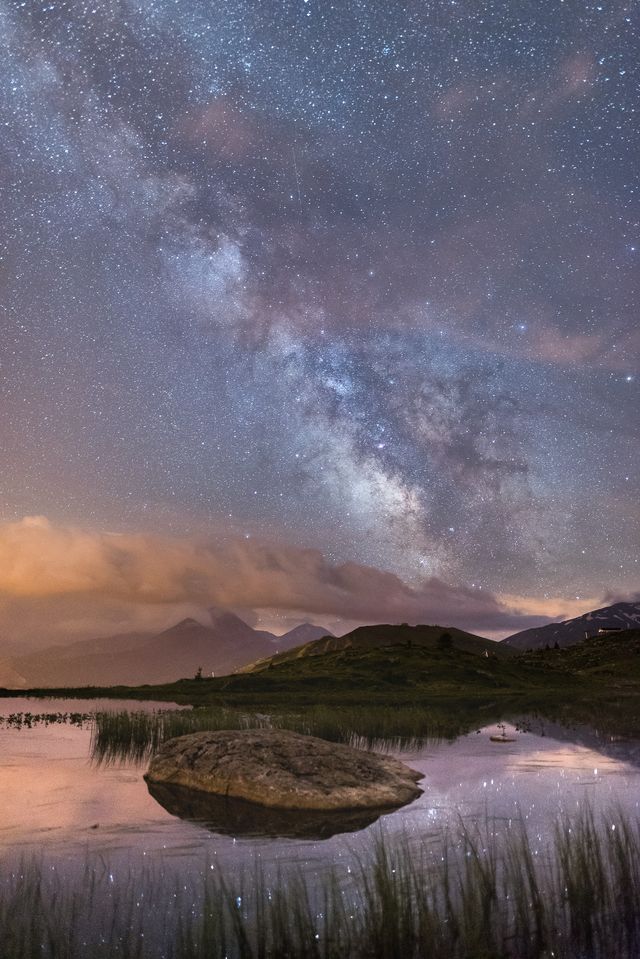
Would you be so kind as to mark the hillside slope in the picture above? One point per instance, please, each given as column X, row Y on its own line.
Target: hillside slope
column 612, row 660
column 398, row 664
column 570, row 631
column 374, row 637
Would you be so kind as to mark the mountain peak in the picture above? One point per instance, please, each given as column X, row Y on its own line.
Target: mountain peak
column 184, row 625
column 225, row 618
column 623, row 615
column 301, row 635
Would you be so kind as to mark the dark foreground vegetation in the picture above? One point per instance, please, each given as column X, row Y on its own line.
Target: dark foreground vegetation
column 491, row 892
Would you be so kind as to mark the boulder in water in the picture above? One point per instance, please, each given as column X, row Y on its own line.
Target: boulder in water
column 284, row 770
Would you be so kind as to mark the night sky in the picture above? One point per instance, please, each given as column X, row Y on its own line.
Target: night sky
column 318, row 309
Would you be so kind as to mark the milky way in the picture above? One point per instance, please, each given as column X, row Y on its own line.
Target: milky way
column 360, row 277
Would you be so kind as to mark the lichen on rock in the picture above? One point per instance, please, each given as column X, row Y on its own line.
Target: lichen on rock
column 284, row 770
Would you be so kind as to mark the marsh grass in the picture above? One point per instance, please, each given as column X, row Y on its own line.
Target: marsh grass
column 481, row 892
column 27, row 720
column 135, row 736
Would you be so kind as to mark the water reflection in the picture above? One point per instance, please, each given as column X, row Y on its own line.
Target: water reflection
column 55, row 799
column 107, row 863
column 238, row 818
column 51, row 796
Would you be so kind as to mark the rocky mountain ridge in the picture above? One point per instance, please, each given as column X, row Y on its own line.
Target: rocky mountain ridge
column 570, row 631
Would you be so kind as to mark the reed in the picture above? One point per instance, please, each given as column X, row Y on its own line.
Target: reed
column 135, row 736
column 483, row 892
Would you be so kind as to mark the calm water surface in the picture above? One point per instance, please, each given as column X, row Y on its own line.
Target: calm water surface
column 58, row 804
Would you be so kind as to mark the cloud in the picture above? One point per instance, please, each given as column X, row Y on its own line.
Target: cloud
column 137, row 581
column 615, row 596
column 555, row 608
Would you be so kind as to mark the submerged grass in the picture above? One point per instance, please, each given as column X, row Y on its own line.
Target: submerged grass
column 487, row 892
column 135, row 736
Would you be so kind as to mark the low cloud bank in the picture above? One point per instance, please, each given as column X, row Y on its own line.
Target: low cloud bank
column 66, row 582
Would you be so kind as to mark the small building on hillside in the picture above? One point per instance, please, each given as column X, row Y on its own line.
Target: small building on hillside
column 606, row 631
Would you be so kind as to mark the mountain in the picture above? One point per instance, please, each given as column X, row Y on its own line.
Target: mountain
column 300, row 636
column 143, row 658
column 376, row 637
column 81, row 662
column 230, row 625
column 390, row 663
column 189, row 646
column 10, row 678
column 570, row 631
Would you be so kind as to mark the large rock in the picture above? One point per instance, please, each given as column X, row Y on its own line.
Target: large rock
column 284, row 770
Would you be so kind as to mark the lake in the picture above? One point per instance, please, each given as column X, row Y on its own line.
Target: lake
column 56, row 800
column 69, row 812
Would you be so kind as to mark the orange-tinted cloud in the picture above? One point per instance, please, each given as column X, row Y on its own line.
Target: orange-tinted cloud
column 48, row 570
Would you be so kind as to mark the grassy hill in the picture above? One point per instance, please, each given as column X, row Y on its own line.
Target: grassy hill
column 612, row 661
column 606, row 671
column 404, row 663
column 426, row 638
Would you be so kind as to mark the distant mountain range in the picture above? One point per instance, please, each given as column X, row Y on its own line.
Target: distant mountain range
column 622, row 615
column 141, row 658
column 227, row 644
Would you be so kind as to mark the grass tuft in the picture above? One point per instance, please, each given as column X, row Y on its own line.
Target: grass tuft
column 482, row 892
column 136, row 736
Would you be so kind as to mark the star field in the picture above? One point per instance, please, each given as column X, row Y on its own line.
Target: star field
column 355, row 276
